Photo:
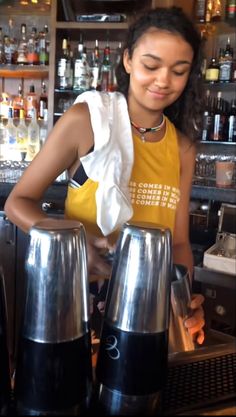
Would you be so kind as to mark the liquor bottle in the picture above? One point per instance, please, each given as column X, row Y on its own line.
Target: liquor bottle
column 95, row 66
column 31, row 102
column 22, row 136
column 212, row 72
column 216, row 14
column 107, row 70
column 22, row 48
column 43, row 51
column 208, row 13
column 13, row 152
column 226, row 64
column 10, row 44
column 43, row 101
column 82, row 78
column 230, row 11
column 232, row 122
column 200, row 11
column 18, row 102
column 217, row 133
column 33, row 137
column 208, row 117
column 3, row 140
column 64, row 68
column 43, row 129
column 32, row 48
column 2, row 52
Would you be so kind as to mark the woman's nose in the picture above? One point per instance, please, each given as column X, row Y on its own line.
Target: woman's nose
column 162, row 78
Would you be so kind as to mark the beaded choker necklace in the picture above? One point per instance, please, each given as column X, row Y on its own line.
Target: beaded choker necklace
column 143, row 130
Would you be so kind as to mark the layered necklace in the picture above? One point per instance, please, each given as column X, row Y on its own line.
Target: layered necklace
column 143, row 130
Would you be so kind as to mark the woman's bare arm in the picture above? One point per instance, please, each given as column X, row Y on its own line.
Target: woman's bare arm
column 70, row 138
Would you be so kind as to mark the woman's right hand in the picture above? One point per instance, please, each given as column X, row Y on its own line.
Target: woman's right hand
column 96, row 248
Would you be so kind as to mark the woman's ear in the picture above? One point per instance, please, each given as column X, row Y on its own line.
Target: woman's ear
column 127, row 61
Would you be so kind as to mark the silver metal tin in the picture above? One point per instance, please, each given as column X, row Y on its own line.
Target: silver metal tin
column 57, row 303
column 138, row 296
column 180, row 339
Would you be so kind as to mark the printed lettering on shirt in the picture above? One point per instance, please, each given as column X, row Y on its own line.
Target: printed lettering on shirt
column 151, row 194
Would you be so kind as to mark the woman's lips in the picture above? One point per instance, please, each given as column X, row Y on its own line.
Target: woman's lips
column 158, row 94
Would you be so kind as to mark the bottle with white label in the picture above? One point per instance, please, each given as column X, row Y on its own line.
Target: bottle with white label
column 33, row 138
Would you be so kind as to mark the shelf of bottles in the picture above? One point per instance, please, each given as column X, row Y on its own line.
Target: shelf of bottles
column 87, row 64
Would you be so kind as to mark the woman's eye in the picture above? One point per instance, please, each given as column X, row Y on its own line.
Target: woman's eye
column 149, row 67
column 178, row 73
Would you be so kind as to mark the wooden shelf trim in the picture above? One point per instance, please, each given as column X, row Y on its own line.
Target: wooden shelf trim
column 24, row 72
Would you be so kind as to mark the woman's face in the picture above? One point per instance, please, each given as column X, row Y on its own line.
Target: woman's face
column 159, row 69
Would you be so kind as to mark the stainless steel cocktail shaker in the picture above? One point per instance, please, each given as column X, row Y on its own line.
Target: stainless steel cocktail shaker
column 5, row 385
column 53, row 368
column 132, row 360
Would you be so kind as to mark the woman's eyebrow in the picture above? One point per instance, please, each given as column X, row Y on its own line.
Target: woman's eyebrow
column 157, row 58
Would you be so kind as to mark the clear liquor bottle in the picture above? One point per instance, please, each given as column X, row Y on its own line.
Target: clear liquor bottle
column 107, row 83
column 18, row 103
column 82, row 78
column 13, row 152
column 22, row 136
column 33, row 137
column 95, row 67
column 64, row 68
column 3, row 140
column 22, row 48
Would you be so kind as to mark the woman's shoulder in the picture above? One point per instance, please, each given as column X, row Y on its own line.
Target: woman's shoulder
column 186, row 145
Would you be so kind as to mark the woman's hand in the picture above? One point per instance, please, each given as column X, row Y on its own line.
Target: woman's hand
column 196, row 322
column 96, row 248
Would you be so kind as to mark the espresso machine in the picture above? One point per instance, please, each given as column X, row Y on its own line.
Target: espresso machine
column 132, row 360
column 53, row 367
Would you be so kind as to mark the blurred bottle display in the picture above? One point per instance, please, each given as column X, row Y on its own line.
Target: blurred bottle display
column 230, row 11
column 216, row 14
column 13, row 153
column 218, row 119
column 3, row 140
column 200, row 10
column 232, row 122
column 2, row 51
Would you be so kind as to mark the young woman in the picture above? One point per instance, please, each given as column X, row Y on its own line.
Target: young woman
column 129, row 154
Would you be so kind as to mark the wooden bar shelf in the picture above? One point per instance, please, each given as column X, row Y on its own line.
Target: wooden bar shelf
column 33, row 72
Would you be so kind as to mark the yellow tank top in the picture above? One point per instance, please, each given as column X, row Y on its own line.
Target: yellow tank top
column 154, row 185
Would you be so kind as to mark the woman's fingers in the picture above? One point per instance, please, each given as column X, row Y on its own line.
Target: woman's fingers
column 197, row 301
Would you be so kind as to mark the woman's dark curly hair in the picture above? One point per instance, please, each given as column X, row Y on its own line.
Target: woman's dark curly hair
column 186, row 112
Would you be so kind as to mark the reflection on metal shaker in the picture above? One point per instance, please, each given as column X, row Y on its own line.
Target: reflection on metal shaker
column 53, row 368
column 132, row 360
column 179, row 338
